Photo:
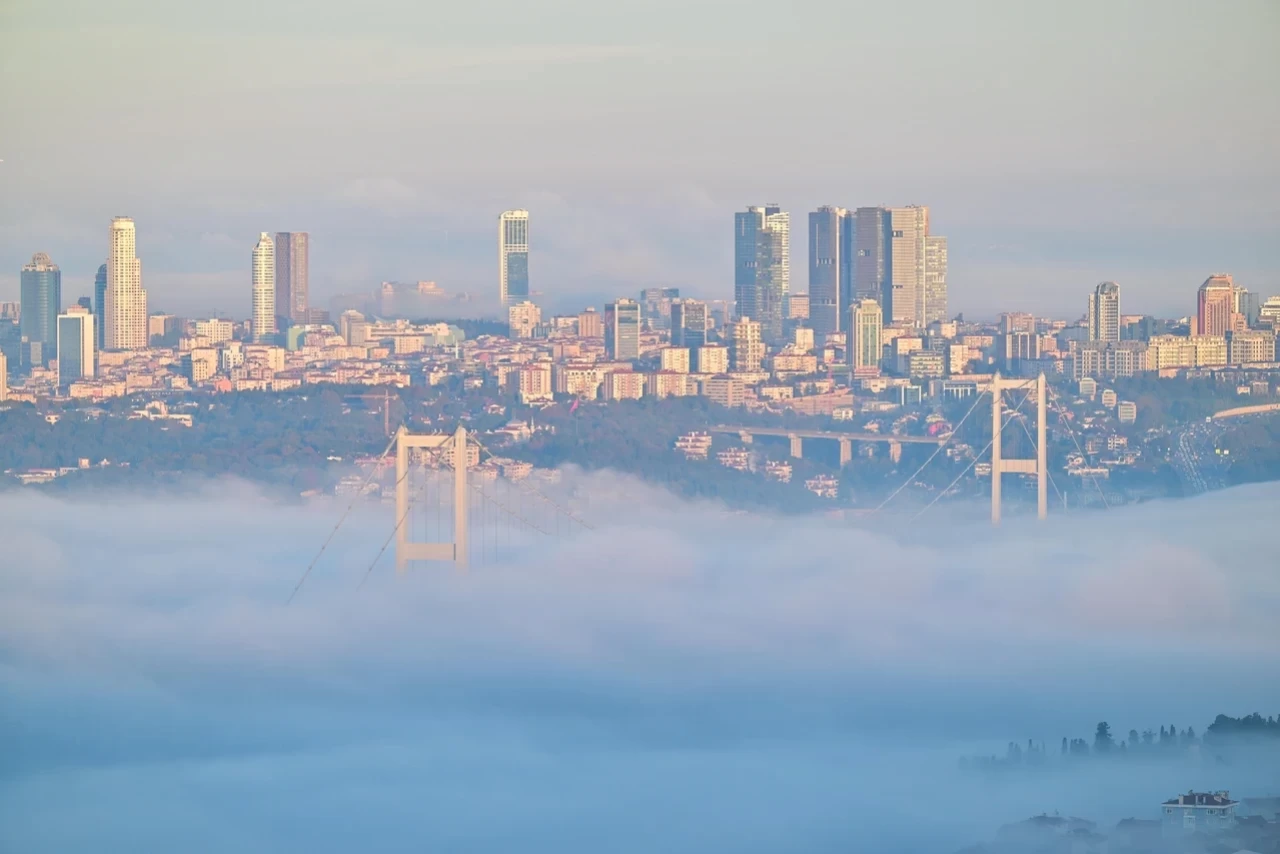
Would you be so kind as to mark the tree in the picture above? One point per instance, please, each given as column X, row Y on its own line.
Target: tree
column 1102, row 740
column 1133, row 738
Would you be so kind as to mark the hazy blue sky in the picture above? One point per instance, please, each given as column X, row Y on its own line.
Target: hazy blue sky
column 1057, row 144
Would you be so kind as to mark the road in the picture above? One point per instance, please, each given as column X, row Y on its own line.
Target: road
column 1198, row 474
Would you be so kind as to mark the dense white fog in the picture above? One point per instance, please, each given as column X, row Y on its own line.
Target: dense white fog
column 680, row 678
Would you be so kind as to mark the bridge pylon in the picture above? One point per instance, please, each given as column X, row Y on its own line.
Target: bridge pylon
column 1000, row 464
column 454, row 446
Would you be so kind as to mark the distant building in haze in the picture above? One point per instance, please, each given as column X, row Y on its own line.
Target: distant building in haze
column 292, row 277
column 522, row 319
column 1214, row 303
column 622, row 330
column 513, row 256
column 935, row 279
column 746, row 345
column 865, row 322
column 264, row 289
column 76, row 345
column 100, row 305
column 904, row 298
column 655, row 305
column 871, row 252
column 690, row 322
column 1104, row 313
column 762, row 267
column 831, row 266
column 590, row 324
column 126, row 300
column 41, row 302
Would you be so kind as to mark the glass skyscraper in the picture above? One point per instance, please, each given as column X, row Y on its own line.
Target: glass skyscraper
column 100, row 305
column 292, row 288
column 513, row 257
column 831, row 265
column 41, row 304
column 622, row 330
column 762, row 267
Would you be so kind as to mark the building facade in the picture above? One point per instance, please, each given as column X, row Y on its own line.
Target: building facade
column 522, row 319
column 513, row 256
column 1104, row 313
column 126, row 300
column 292, row 276
column 1214, row 302
column 831, row 253
column 762, row 266
column 1198, row 812
column 936, row 309
column 622, row 330
column 746, row 345
column 689, row 323
column 903, row 301
column 41, row 300
column 263, row 261
column 865, row 346
column 100, row 305
column 76, row 346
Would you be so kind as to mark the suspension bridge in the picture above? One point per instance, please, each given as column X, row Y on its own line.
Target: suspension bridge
column 457, row 503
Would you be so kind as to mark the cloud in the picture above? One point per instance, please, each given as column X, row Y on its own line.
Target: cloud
column 680, row 678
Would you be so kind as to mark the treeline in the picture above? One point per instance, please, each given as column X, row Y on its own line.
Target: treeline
column 1168, row 741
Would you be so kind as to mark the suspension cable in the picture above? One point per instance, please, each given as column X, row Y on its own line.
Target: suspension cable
column 935, row 453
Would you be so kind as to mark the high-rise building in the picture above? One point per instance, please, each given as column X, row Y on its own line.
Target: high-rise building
column 41, row 303
column 872, row 255
column 762, row 267
column 76, row 341
column 522, row 319
column 935, row 279
column 689, row 323
column 264, row 289
column 126, row 301
column 1017, row 321
column 622, row 330
column 746, row 347
column 590, row 324
column 865, row 349
column 292, row 272
column 1104, row 313
column 904, row 296
column 831, row 268
column 100, row 305
column 1214, row 305
column 513, row 256
column 655, row 305
column 4, row 377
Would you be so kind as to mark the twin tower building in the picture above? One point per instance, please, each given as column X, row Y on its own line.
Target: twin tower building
column 878, row 253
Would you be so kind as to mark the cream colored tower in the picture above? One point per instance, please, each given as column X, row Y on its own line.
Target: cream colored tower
column 126, row 301
column 264, row 289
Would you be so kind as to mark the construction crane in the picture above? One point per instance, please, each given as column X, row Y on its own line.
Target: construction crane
column 386, row 398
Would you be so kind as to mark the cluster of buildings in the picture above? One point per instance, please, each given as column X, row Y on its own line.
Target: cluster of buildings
column 872, row 327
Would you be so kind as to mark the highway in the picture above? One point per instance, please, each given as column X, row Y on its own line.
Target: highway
column 830, row 434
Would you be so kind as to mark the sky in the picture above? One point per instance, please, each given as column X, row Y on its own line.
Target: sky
column 1057, row 146
column 741, row 684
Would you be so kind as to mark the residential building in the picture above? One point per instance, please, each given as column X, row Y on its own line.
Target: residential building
column 1110, row 360
column 1210, row 350
column 217, row 331
column 522, row 319
column 865, row 347
column 622, row 330
column 292, row 277
column 935, row 279
column 746, row 347
column 126, row 300
column 1017, row 321
column 4, row 377
column 831, row 256
column 1251, row 345
column 1214, row 303
column 712, row 359
column 513, row 256
column 1104, row 313
column 689, row 323
column 535, row 382
column 590, row 324
column 675, row 359
column 76, row 345
column 100, row 305
column 724, row 390
column 41, row 298
column 1198, row 812
column 1018, row 347
column 797, row 307
column 926, row 364
column 762, row 266
column 264, row 290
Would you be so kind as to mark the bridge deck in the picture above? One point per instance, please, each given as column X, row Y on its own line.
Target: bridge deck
column 830, row 434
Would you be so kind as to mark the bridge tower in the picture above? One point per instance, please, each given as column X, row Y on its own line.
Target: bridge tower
column 453, row 448
column 999, row 464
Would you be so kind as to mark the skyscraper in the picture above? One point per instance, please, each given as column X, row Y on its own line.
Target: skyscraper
column 292, row 270
column 935, row 279
column 746, row 349
column 762, row 267
column 126, row 301
column 100, row 306
column 904, row 297
column 4, row 377
column 622, row 330
column 866, row 320
column 831, row 266
column 513, row 256
column 264, row 289
column 872, row 257
column 41, row 302
column 76, row 340
column 689, row 323
column 1104, row 312
column 1214, row 304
